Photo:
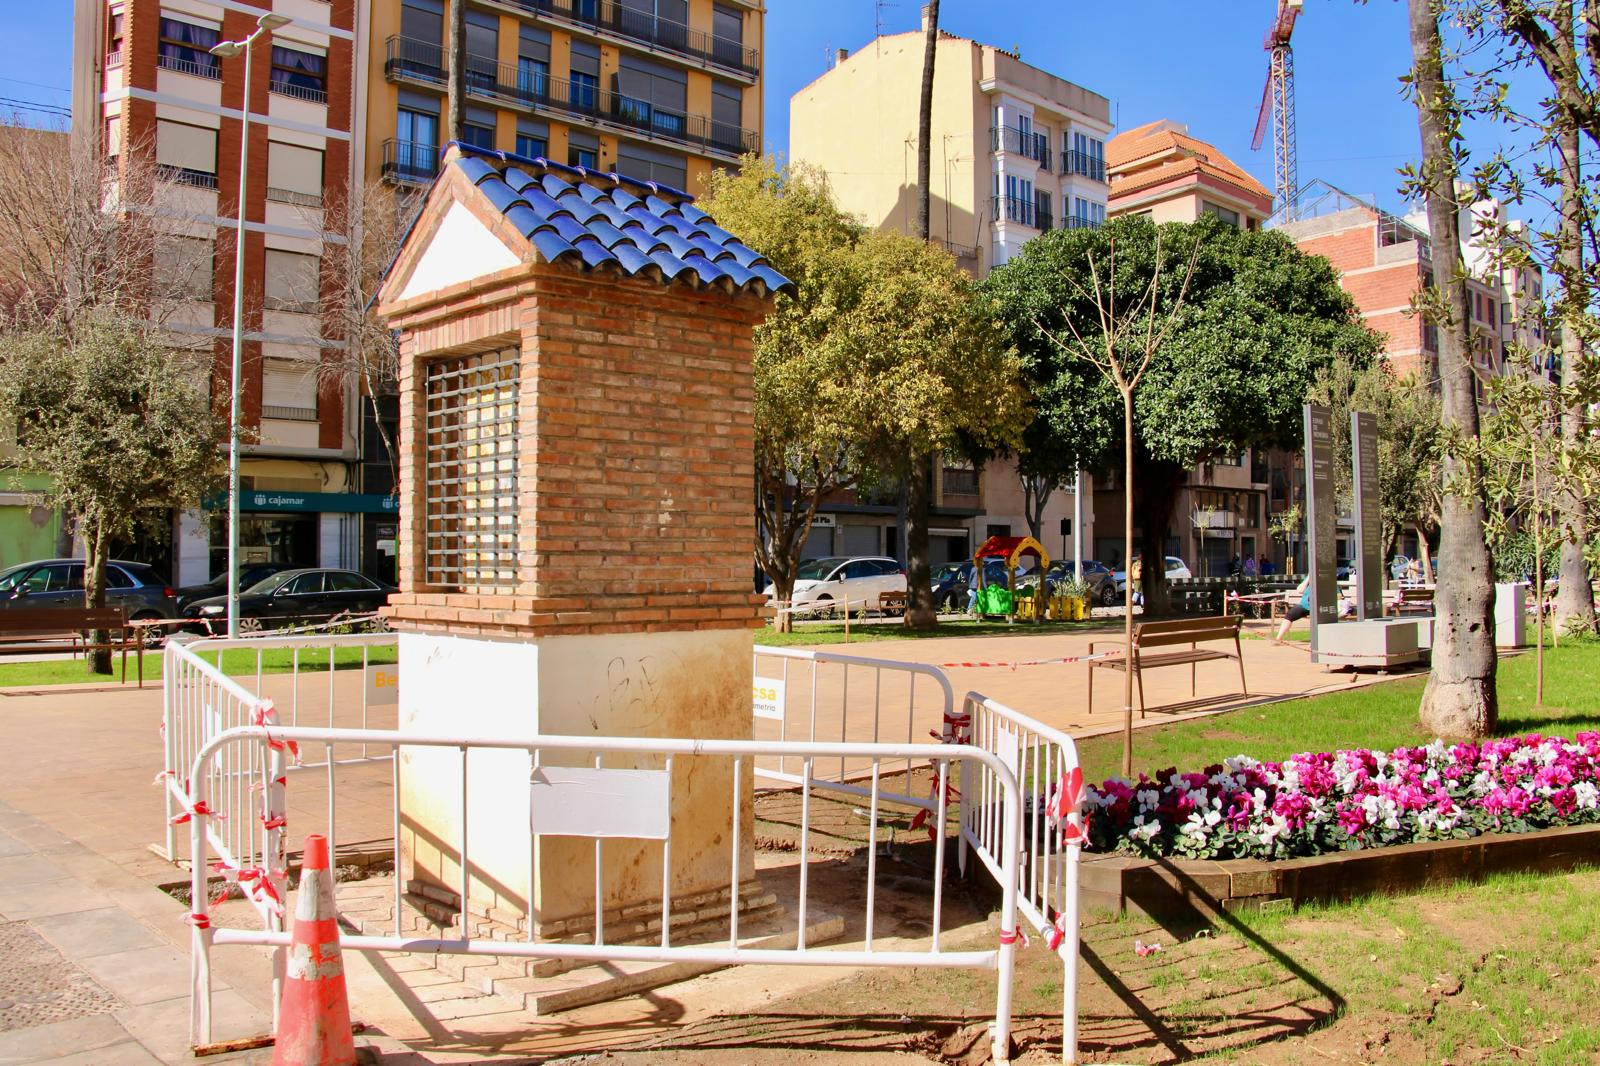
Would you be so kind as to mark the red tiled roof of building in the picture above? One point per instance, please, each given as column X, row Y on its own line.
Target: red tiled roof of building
column 1170, row 153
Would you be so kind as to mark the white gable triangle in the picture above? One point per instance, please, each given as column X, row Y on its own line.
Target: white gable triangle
column 461, row 249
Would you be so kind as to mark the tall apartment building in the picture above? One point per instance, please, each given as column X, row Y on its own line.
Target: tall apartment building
column 1016, row 151
column 1384, row 261
column 660, row 90
column 1159, row 170
column 144, row 80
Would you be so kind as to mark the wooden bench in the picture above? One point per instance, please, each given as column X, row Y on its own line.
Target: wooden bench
column 23, row 630
column 1190, row 631
column 1412, row 601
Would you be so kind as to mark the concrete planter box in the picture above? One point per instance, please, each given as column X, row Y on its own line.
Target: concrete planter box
column 1200, row 889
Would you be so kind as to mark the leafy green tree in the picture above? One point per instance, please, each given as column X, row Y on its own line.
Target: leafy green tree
column 1259, row 319
column 124, row 428
column 885, row 349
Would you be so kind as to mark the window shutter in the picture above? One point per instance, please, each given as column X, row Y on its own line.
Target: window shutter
column 294, row 169
column 186, row 147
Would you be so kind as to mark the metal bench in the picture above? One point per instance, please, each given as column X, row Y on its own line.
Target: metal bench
column 23, row 631
column 1173, row 634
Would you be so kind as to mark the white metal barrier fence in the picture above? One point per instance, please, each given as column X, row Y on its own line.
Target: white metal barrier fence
column 261, row 750
column 1044, row 763
column 201, row 701
column 808, row 698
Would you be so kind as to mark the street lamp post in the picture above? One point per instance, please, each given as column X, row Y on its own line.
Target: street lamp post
column 228, row 50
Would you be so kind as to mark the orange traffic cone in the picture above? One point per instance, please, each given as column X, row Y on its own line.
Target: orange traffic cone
column 314, row 1017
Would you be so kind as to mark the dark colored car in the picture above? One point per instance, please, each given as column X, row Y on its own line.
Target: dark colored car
column 135, row 587
column 218, row 586
column 294, row 597
column 1097, row 575
column 950, row 587
column 953, row 581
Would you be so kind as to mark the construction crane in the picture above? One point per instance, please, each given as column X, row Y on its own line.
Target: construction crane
column 1277, row 97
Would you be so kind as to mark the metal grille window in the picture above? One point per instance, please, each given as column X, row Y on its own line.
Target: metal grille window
column 471, row 476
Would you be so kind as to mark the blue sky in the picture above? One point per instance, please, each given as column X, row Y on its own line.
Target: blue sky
column 1195, row 62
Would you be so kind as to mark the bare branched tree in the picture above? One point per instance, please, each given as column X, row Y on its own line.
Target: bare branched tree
column 1127, row 342
column 370, row 224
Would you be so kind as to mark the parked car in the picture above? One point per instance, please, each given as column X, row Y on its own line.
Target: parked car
column 953, row 581
column 1176, row 567
column 218, row 586
column 822, row 583
column 294, row 597
column 950, row 584
column 135, row 587
column 1097, row 575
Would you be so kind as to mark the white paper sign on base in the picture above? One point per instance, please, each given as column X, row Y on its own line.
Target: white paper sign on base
column 578, row 801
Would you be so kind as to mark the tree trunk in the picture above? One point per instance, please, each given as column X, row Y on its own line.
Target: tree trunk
column 783, row 586
column 1127, row 600
column 1574, row 607
column 930, row 52
column 455, row 119
column 920, row 611
column 1425, row 555
column 1036, row 493
column 1460, row 699
column 97, row 661
column 1158, row 491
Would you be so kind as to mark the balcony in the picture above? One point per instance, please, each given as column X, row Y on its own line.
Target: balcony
column 419, row 61
column 1014, row 209
column 284, row 87
column 960, row 481
column 410, row 161
column 1085, row 165
column 196, row 179
column 208, row 67
column 1079, row 222
column 610, row 17
column 1042, row 218
column 1026, row 143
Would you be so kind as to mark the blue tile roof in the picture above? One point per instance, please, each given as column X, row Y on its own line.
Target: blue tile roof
column 597, row 220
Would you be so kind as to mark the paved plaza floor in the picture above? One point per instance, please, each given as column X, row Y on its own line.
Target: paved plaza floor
column 107, row 952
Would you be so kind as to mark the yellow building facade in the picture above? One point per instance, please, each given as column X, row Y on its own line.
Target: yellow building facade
column 658, row 90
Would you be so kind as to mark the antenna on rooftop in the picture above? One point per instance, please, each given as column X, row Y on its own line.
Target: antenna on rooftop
column 877, row 16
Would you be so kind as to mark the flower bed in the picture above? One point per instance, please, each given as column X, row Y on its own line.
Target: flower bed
column 1312, row 804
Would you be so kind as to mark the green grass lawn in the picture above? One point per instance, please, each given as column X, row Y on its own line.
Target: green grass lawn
column 242, row 663
column 1374, row 716
column 809, row 633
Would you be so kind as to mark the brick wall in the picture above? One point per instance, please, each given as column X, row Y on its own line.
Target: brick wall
column 636, row 452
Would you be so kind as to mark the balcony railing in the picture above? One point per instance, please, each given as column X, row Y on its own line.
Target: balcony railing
column 410, row 161
column 1079, row 222
column 1014, row 209
column 1042, row 218
column 199, row 68
column 1089, row 166
column 669, row 36
column 959, row 481
column 298, row 199
column 299, row 92
column 198, row 179
column 1026, row 143
column 420, row 61
column 114, row 59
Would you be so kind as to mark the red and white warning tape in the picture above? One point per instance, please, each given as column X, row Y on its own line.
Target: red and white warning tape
column 964, row 665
